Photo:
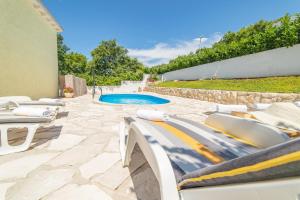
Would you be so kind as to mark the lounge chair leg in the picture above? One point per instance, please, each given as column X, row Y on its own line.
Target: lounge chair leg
column 156, row 157
column 128, row 153
column 7, row 149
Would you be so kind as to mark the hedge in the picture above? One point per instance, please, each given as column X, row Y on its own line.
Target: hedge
column 261, row 36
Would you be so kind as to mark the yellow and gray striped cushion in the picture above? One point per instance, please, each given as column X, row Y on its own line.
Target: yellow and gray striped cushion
column 280, row 161
column 202, row 156
column 192, row 146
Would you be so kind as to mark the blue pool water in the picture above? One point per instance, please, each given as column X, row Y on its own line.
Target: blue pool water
column 132, row 99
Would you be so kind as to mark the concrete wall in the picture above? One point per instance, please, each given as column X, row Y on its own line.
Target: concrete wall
column 116, row 89
column 28, row 52
column 226, row 97
column 125, row 87
column 277, row 62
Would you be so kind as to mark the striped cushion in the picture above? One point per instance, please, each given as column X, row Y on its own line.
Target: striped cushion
column 201, row 156
column 280, row 161
column 192, row 146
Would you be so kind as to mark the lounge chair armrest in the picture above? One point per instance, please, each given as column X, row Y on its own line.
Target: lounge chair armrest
column 156, row 157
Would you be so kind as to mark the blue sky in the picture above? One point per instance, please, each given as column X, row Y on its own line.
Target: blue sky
column 156, row 31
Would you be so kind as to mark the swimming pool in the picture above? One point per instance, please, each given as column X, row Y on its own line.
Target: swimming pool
column 132, row 99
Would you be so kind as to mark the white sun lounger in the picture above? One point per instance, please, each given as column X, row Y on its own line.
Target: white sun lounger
column 10, row 121
column 261, row 106
column 221, row 108
column 282, row 115
column 297, row 103
column 25, row 100
column 246, row 172
column 6, row 105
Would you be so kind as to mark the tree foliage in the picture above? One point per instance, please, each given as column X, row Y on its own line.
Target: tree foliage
column 108, row 57
column 111, row 64
column 75, row 63
column 62, row 50
column 262, row 36
column 69, row 62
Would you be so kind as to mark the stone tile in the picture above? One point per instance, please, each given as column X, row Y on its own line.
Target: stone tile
column 3, row 188
column 125, row 189
column 87, row 140
column 113, row 130
column 114, row 177
column 77, row 155
column 97, row 139
column 79, row 192
column 20, row 167
column 117, row 196
column 88, row 131
column 99, row 164
column 145, row 184
column 40, row 184
column 137, row 167
column 117, row 175
column 64, row 142
column 113, row 145
column 72, row 128
column 41, row 144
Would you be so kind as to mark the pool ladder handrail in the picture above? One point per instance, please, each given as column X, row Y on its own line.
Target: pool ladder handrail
column 94, row 91
column 101, row 91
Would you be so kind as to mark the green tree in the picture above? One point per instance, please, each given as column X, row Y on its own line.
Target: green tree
column 108, row 57
column 109, row 60
column 112, row 64
column 62, row 50
column 75, row 63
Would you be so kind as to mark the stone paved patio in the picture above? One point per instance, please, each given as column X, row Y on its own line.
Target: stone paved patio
column 77, row 157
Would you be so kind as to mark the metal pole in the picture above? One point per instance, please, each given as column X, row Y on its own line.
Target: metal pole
column 200, row 41
column 94, row 83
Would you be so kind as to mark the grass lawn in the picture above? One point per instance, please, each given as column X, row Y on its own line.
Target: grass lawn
column 272, row 84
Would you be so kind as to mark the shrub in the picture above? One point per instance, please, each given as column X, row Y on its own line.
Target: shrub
column 68, row 90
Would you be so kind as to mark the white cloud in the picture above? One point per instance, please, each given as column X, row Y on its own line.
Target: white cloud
column 163, row 53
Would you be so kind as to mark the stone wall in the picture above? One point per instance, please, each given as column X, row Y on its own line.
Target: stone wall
column 226, row 97
column 78, row 85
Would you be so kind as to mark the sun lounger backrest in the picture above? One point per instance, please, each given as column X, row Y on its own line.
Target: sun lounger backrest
column 22, row 119
column 287, row 111
column 258, row 134
column 15, row 98
column 8, row 104
column 41, row 103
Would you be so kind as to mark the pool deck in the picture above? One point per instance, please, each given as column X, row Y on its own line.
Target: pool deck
column 77, row 157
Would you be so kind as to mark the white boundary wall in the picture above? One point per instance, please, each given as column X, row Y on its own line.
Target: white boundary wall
column 125, row 87
column 277, row 62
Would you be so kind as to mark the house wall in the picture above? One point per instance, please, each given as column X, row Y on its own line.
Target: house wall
column 28, row 51
column 277, row 62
